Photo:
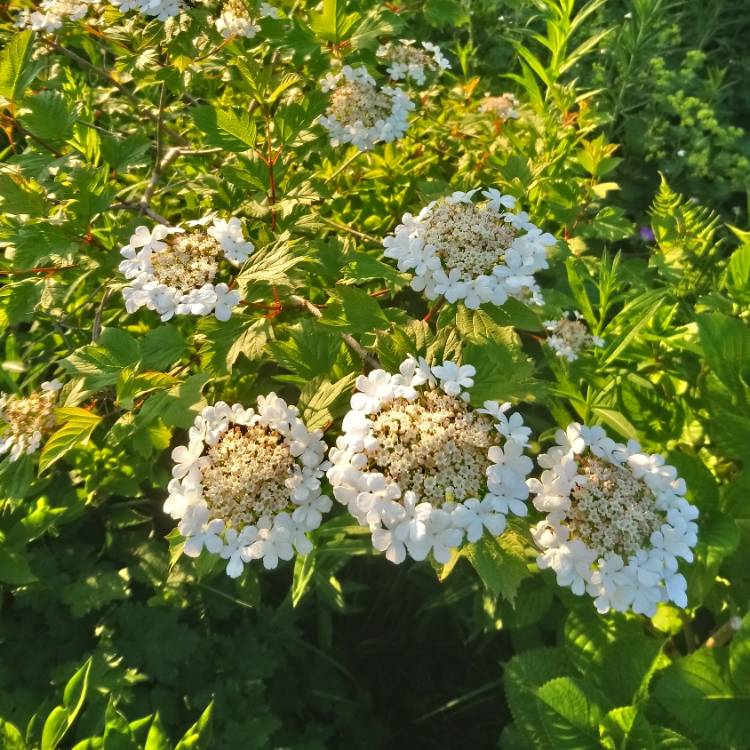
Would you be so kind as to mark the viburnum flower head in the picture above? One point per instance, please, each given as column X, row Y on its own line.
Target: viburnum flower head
column 247, row 486
column 407, row 59
column 175, row 271
column 360, row 113
column 159, row 9
column 475, row 251
column 503, row 107
column 617, row 521
column 569, row 335
column 27, row 420
column 235, row 19
column 421, row 468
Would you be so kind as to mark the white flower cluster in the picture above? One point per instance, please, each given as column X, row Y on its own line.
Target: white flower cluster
column 159, row 9
column 504, row 107
column 407, row 60
column 570, row 335
column 422, row 469
column 475, row 252
column 616, row 523
column 360, row 113
column 247, row 486
column 172, row 270
column 28, row 420
column 50, row 15
column 235, row 20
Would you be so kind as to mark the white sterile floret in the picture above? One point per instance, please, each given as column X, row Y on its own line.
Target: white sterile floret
column 159, row 9
column 174, row 271
column 408, row 60
column 421, row 468
column 569, row 335
column 475, row 251
column 247, row 486
column 50, row 15
column 616, row 523
column 25, row 421
column 360, row 113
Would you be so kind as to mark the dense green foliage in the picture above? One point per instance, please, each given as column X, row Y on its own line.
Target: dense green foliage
column 631, row 117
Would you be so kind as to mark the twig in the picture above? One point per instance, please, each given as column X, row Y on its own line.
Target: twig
column 356, row 233
column 722, row 635
column 434, row 309
column 367, row 358
column 344, row 166
column 47, row 270
column 172, row 154
column 96, row 329
column 140, row 209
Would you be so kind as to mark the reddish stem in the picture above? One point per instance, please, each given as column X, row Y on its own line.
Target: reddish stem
column 434, row 309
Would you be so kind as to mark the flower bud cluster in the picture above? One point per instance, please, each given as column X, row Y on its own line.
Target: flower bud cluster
column 570, row 335
column 503, row 107
column 27, row 420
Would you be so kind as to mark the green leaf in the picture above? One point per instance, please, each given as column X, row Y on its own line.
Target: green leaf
column 10, row 736
column 442, row 13
column 94, row 592
column 179, row 406
column 577, row 278
column 626, row 729
column 55, row 726
column 525, row 673
column 14, row 567
column 49, row 117
column 738, row 274
column 101, row 363
column 354, row 311
column 739, row 656
column 694, row 690
column 270, row 265
column 310, row 351
column 16, row 476
column 157, row 738
column 503, row 374
column 61, row 718
column 220, row 343
column 78, row 424
column 479, row 327
column 16, row 73
column 322, row 401
column 224, row 128
column 726, row 343
column 117, row 732
column 161, row 347
column 500, row 562
column 333, row 23
column 198, row 737
column 304, row 570
column 570, row 714
column 122, row 152
column 131, row 385
column 20, row 195
column 77, row 689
